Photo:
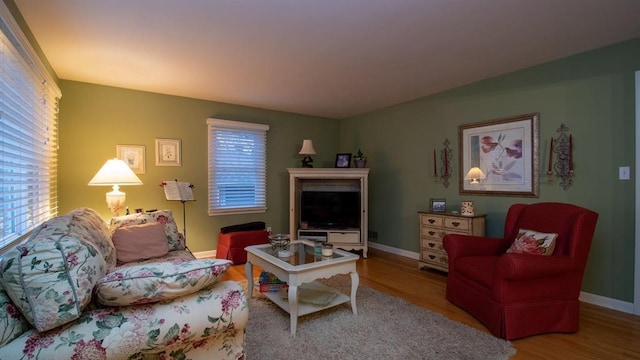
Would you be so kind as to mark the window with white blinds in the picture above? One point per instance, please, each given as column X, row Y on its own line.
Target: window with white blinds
column 237, row 167
column 28, row 135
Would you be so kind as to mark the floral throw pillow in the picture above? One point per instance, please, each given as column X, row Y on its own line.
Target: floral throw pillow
column 534, row 243
column 153, row 282
column 11, row 320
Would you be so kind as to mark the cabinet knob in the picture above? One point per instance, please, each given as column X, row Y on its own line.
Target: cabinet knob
column 455, row 223
column 431, row 221
column 432, row 257
column 432, row 244
column 431, row 232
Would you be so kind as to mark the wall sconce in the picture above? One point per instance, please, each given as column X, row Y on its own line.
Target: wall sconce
column 307, row 149
column 562, row 169
column 445, row 170
column 474, row 175
column 115, row 172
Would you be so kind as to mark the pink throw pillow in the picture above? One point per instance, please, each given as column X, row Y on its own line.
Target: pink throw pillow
column 140, row 242
column 534, row 243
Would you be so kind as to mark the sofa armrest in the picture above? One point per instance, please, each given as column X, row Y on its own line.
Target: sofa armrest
column 213, row 318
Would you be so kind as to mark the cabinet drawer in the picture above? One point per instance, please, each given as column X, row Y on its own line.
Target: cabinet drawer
column 432, row 244
column 347, row 237
column 434, row 257
column 433, row 233
column 457, row 223
column 431, row 220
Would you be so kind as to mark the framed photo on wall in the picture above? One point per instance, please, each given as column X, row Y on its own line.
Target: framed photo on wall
column 506, row 151
column 133, row 155
column 168, row 152
column 437, row 205
column 343, row 160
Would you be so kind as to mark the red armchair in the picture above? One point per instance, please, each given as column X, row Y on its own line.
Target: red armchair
column 518, row 295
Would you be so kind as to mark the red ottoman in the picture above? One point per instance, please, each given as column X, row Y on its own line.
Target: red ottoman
column 231, row 245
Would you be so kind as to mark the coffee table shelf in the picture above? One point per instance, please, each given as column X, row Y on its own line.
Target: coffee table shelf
column 305, row 308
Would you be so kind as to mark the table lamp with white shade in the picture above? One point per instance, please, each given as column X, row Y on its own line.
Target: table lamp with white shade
column 307, row 150
column 115, row 172
column 474, row 175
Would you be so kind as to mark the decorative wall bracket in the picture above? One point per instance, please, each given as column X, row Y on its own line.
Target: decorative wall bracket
column 445, row 170
column 562, row 169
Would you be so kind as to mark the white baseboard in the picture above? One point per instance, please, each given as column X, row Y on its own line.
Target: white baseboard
column 606, row 302
column 598, row 300
column 205, row 254
column 406, row 253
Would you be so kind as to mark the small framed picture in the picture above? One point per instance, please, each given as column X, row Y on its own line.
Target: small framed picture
column 133, row 155
column 437, row 205
column 343, row 160
column 168, row 152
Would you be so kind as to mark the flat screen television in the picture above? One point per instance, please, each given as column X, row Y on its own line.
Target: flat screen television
column 330, row 209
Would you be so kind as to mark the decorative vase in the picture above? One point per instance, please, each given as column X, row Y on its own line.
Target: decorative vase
column 360, row 163
column 466, row 208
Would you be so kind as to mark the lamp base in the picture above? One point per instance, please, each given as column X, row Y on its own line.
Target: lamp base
column 307, row 162
column 115, row 200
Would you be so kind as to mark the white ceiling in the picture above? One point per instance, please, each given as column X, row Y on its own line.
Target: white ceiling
column 329, row 58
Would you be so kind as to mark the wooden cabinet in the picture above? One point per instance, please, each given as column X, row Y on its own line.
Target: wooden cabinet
column 433, row 228
column 352, row 179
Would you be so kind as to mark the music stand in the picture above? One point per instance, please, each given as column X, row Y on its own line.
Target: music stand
column 179, row 191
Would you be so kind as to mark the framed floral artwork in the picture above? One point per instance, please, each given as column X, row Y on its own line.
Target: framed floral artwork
column 506, row 151
column 168, row 152
column 133, row 155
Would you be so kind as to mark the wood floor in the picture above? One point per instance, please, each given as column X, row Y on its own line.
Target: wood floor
column 604, row 333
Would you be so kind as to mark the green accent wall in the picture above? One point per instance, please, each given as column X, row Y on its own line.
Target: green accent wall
column 94, row 119
column 591, row 93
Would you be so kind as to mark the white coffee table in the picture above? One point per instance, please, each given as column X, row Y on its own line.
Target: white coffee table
column 303, row 266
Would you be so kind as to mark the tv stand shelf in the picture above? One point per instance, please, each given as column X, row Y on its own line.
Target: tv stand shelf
column 351, row 179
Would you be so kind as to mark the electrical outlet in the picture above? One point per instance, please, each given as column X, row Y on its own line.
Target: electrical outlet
column 269, row 229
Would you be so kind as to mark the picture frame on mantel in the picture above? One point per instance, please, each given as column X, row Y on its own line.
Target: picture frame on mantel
column 507, row 152
column 343, row 160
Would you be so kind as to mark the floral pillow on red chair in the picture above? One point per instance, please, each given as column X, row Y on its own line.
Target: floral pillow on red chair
column 533, row 242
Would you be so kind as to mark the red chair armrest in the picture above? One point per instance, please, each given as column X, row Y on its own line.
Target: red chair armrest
column 465, row 245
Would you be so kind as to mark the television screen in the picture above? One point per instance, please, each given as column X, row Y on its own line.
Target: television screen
column 330, row 209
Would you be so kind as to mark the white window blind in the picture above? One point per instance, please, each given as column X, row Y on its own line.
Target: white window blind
column 28, row 135
column 237, row 167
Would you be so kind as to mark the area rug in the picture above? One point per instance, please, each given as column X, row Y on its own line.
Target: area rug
column 386, row 327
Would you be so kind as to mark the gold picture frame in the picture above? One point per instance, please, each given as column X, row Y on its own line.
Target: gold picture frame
column 134, row 156
column 168, row 152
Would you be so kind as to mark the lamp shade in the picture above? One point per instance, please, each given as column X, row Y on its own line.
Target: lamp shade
column 115, row 172
column 474, row 174
column 307, row 148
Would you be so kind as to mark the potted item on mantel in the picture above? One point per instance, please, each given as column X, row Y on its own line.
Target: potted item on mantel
column 360, row 159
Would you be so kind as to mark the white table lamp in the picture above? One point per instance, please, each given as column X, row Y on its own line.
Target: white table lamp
column 307, row 149
column 474, row 174
column 115, row 172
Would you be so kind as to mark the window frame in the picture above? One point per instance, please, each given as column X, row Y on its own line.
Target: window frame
column 32, row 119
column 232, row 205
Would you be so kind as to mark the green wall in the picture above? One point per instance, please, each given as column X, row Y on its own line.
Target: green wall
column 94, row 119
column 592, row 94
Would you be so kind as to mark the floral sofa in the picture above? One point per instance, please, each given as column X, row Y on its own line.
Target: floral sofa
column 65, row 293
